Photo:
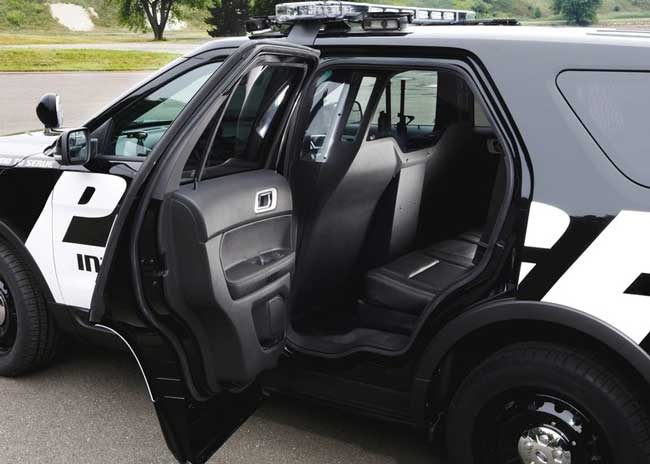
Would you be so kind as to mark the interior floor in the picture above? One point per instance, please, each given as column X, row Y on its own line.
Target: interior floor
column 389, row 224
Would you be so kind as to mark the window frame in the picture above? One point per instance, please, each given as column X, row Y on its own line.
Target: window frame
column 301, row 115
column 335, row 136
column 219, row 114
column 103, row 130
column 616, row 159
column 383, row 68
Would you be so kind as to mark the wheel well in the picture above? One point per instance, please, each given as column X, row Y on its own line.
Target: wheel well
column 11, row 239
column 474, row 348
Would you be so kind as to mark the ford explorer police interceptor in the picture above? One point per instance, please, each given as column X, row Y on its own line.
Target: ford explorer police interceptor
column 444, row 226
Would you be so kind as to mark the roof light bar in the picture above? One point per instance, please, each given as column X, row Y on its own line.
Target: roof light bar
column 383, row 22
column 300, row 11
column 341, row 10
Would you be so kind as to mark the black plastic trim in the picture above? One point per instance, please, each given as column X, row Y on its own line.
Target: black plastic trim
column 515, row 310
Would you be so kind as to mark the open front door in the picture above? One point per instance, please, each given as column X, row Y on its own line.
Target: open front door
column 212, row 249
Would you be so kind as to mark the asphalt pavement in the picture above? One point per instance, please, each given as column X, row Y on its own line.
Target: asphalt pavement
column 164, row 47
column 82, row 95
column 91, row 406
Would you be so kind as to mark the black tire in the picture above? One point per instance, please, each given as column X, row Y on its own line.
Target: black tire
column 540, row 387
column 28, row 335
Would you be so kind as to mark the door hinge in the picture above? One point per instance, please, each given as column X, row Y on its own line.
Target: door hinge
column 152, row 268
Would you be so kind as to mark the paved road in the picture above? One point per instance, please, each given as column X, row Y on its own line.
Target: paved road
column 166, row 47
column 92, row 407
column 82, row 95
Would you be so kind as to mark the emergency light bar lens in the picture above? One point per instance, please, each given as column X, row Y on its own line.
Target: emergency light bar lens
column 327, row 10
column 333, row 10
column 381, row 24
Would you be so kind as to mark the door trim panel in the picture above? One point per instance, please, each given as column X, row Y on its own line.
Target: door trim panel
column 216, row 277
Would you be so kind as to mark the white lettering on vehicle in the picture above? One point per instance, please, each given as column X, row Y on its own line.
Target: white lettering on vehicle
column 70, row 283
column 597, row 281
column 28, row 163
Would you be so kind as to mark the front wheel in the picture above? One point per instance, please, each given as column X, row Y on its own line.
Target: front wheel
column 541, row 403
column 28, row 335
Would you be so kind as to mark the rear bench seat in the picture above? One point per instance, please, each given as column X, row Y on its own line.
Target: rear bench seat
column 407, row 284
column 410, row 282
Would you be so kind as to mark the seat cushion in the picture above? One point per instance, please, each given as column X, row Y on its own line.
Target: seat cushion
column 410, row 282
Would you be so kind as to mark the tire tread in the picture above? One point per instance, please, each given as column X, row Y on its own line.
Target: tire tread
column 601, row 373
column 41, row 345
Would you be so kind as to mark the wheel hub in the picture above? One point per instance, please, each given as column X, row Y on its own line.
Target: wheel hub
column 4, row 308
column 543, row 445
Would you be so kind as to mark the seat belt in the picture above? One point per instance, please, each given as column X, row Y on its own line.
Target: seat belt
column 493, row 210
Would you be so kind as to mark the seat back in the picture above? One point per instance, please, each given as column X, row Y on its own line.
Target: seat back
column 336, row 219
column 458, row 184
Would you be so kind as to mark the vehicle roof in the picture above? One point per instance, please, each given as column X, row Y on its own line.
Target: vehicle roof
column 423, row 36
column 536, row 34
column 620, row 49
column 466, row 36
column 531, row 34
column 557, row 47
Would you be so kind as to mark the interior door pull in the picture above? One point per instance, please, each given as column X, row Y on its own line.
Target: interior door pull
column 266, row 200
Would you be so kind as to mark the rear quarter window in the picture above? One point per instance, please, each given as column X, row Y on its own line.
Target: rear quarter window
column 613, row 106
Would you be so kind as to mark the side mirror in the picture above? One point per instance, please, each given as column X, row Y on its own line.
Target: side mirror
column 74, row 147
column 48, row 111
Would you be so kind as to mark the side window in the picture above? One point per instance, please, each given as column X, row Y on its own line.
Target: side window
column 613, row 107
column 359, row 107
column 138, row 128
column 239, row 137
column 480, row 118
column 327, row 110
column 407, row 111
column 327, row 107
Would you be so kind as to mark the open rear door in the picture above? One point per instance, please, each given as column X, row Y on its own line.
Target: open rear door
column 211, row 251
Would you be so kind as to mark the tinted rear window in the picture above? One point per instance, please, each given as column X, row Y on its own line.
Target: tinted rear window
column 613, row 107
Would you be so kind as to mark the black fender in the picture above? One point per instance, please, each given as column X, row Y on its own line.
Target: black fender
column 495, row 312
column 14, row 240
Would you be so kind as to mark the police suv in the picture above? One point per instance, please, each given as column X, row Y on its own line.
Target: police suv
column 404, row 212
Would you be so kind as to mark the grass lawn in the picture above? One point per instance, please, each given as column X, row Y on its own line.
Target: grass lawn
column 36, row 38
column 33, row 60
column 613, row 21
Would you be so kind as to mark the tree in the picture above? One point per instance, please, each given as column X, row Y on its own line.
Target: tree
column 228, row 17
column 265, row 7
column 580, row 12
column 137, row 13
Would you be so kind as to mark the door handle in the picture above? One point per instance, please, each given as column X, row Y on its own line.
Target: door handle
column 266, row 200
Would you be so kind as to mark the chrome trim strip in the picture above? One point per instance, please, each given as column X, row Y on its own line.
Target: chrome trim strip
column 423, row 268
column 270, row 195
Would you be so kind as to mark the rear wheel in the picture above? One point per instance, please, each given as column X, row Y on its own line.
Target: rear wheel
column 28, row 335
column 539, row 403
